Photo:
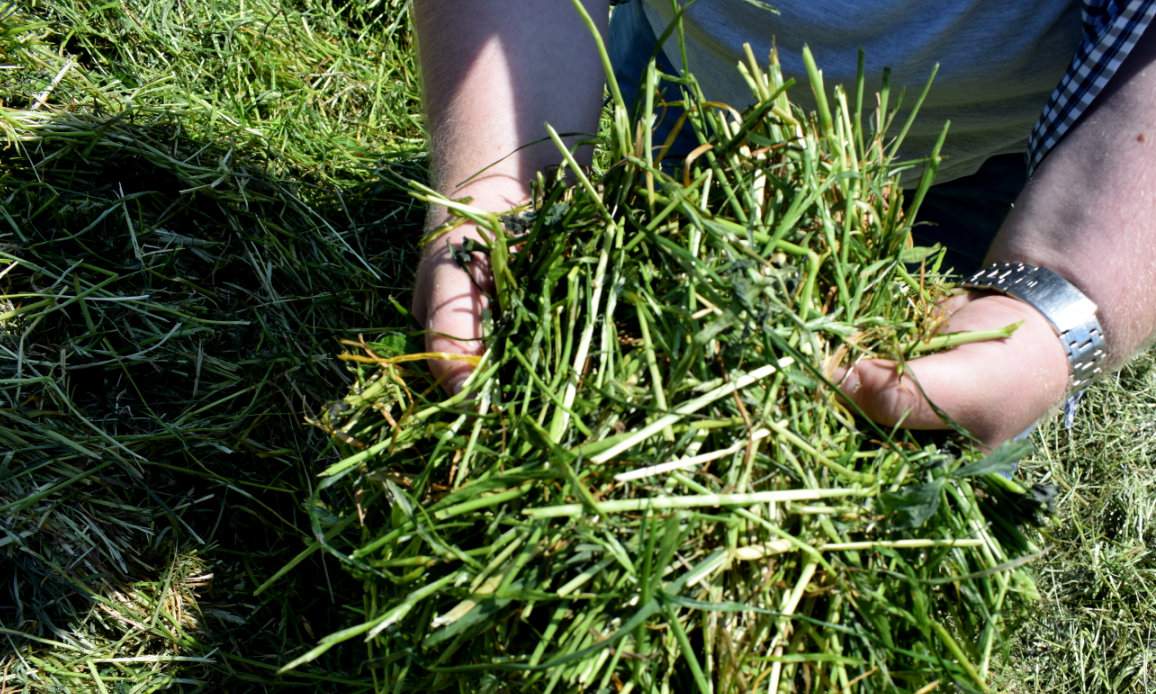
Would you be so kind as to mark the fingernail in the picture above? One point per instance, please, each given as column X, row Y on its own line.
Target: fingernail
column 846, row 379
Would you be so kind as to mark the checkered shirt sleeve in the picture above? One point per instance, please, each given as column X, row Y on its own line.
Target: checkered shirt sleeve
column 1111, row 30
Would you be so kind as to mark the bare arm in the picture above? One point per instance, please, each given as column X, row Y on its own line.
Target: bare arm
column 494, row 72
column 1089, row 214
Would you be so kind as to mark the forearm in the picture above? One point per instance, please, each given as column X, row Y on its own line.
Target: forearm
column 1090, row 211
column 494, row 73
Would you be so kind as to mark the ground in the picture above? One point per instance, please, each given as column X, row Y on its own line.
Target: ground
column 199, row 201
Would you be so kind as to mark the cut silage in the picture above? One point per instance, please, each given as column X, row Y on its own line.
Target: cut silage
column 649, row 483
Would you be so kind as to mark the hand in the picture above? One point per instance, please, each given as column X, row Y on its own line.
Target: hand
column 449, row 301
column 994, row 389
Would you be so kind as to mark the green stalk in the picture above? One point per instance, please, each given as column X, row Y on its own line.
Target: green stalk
column 952, row 340
column 688, row 654
column 960, row 657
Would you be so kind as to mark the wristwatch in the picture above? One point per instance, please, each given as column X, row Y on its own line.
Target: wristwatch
column 1069, row 311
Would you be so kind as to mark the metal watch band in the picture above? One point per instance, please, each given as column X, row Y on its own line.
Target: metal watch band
column 1071, row 313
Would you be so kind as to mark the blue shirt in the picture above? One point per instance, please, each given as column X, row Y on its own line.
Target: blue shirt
column 991, row 96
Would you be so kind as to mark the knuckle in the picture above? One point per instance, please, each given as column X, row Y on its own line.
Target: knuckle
column 902, row 400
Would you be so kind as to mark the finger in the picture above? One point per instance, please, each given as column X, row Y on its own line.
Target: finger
column 951, row 305
column 994, row 389
column 450, row 301
column 439, row 264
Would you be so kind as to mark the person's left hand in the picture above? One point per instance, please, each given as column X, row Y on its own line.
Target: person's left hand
column 994, row 389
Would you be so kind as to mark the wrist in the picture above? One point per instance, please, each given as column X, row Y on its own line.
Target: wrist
column 492, row 194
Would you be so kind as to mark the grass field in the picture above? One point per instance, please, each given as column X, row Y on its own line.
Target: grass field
column 197, row 202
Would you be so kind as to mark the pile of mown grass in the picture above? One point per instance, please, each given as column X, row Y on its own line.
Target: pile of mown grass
column 197, row 200
column 649, row 483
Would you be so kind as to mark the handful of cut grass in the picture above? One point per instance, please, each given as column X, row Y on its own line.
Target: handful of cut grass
column 649, row 484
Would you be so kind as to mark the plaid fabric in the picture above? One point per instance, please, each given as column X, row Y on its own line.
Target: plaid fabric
column 1111, row 30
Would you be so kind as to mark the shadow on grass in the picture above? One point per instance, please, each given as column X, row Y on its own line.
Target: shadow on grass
column 169, row 315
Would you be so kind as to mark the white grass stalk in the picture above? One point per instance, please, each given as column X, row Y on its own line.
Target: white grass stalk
column 691, row 461
column 668, row 503
column 690, row 407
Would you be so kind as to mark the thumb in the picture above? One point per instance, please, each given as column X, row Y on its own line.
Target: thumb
column 994, row 389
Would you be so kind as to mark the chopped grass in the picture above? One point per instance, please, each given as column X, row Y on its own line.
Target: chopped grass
column 199, row 201
column 529, row 533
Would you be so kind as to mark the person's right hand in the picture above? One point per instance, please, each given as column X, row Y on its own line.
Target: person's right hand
column 449, row 301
